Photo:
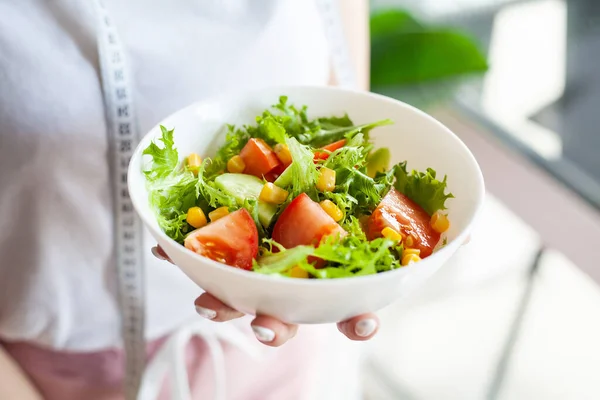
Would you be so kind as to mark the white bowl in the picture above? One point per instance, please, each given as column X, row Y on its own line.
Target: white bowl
column 414, row 136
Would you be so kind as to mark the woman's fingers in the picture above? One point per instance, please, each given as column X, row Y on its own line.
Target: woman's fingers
column 159, row 253
column 362, row 327
column 267, row 329
column 271, row 331
column 210, row 307
column 207, row 305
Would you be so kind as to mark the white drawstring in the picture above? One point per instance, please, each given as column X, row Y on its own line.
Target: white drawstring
column 171, row 358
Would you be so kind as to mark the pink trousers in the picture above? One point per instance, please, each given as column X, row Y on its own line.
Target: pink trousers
column 284, row 374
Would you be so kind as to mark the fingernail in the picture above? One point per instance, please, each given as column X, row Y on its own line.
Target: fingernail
column 156, row 254
column 263, row 334
column 365, row 327
column 206, row 312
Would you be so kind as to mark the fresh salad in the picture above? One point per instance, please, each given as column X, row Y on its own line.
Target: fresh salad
column 298, row 197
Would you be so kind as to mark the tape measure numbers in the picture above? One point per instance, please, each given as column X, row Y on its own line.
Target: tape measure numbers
column 122, row 131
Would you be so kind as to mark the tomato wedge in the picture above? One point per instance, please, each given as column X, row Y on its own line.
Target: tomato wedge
column 259, row 157
column 231, row 240
column 403, row 215
column 274, row 174
column 322, row 155
column 304, row 222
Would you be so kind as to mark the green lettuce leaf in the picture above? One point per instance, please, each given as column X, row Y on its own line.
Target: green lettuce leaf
column 320, row 131
column 362, row 193
column 322, row 136
column 353, row 227
column 422, row 187
column 165, row 159
column 344, row 201
column 270, row 129
column 350, row 256
column 235, row 140
column 353, row 256
column 210, row 192
column 294, row 120
column 361, row 187
column 302, row 172
column 170, row 199
column 352, row 155
column 330, row 123
column 172, row 189
column 283, row 261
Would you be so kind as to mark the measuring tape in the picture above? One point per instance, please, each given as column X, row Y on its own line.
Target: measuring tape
column 122, row 130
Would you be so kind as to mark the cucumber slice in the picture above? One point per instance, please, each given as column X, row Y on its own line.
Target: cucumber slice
column 285, row 179
column 379, row 161
column 266, row 212
column 242, row 187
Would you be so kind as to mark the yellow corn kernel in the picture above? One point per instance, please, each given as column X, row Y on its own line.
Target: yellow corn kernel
column 273, row 194
column 218, row 213
column 409, row 259
column 236, row 165
column 410, row 241
column 391, row 234
column 408, row 251
column 297, row 272
column 194, row 161
column 439, row 222
column 283, row 153
column 326, row 182
column 195, row 217
column 334, row 211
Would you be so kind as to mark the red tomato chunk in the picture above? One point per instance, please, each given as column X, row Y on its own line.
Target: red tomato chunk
column 304, row 222
column 231, row 240
column 324, row 155
column 259, row 158
column 405, row 216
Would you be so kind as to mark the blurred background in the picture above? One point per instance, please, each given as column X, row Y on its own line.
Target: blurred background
column 516, row 314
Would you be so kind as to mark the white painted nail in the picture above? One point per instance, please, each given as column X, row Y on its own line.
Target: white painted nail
column 263, row 334
column 206, row 312
column 365, row 327
column 156, row 254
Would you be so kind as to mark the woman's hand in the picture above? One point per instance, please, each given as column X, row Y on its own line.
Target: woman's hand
column 269, row 330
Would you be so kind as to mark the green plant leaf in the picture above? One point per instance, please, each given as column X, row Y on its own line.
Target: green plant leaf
column 405, row 58
column 392, row 21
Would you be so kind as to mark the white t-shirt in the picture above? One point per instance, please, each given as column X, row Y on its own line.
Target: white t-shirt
column 57, row 272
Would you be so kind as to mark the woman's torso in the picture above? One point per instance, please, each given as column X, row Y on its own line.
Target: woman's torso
column 57, row 274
